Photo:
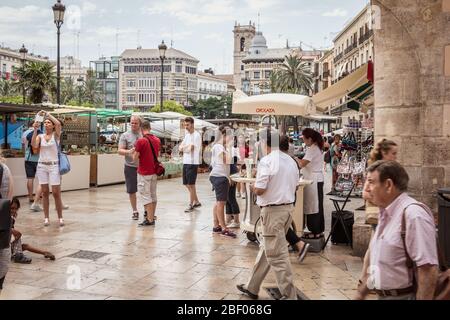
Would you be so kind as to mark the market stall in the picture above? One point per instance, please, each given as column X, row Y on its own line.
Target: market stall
column 273, row 105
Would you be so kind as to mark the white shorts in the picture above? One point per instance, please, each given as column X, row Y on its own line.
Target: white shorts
column 147, row 188
column 48, row 174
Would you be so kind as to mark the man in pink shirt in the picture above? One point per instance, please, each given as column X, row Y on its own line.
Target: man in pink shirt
column 387, row 270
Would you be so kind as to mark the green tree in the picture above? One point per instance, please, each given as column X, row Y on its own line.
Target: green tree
column 38, row 79
column 93, row 92
column 68, row 90
column 7, row 88
column 172, row 106
column 294, row 76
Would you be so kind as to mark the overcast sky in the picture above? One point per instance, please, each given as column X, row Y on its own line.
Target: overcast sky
column 201, row 28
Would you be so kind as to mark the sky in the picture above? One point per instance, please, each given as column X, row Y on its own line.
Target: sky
column 201, row 28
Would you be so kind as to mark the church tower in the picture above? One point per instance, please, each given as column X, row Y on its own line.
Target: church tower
column 243, row 36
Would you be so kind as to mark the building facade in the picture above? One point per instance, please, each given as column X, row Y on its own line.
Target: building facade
column 323, row 71
column 106, row 72
column 10, row 60
column 71, row 68
column 140, row 78
column 260, row 62
column 210, row 86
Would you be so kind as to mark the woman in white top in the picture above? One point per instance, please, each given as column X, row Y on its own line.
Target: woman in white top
column 220, row 179
column 48, row 166
column 312, row 169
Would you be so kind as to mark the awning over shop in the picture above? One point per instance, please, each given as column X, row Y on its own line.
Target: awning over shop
column 359, row 95
column 11, row 108
column 274, row 104
column 353, row 83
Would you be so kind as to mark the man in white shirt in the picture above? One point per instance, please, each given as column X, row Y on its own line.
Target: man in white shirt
column 191, row 148
column 275, row 187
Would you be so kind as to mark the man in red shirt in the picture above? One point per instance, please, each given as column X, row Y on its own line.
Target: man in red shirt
column 147, row 177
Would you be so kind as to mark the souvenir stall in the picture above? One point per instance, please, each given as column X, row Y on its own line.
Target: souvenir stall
column 357, row 143
column 269, row 104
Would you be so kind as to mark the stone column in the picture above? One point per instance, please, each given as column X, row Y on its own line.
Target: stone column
column 412, row 89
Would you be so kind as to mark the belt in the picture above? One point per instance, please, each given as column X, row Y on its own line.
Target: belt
column 394, row 293
column 49, row 163
column 277, row 205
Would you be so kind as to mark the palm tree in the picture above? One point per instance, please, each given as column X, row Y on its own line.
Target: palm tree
column 294, row 76
column 68, row 90
column 93, row 91
column 38, row 78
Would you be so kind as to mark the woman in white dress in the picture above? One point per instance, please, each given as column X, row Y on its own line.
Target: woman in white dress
column 47, row 145
column 312, row 169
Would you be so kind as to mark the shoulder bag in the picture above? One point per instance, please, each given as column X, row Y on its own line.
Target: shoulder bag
column 64, row 164
column 442, row 291
column 159, row 168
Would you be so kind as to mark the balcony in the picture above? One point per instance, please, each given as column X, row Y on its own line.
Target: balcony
column 338, row 57
column 213, row 92
column 365, row 37
column 350, row 48
column 326, row 74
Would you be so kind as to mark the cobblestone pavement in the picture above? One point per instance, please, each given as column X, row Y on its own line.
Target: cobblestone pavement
column 178, row 259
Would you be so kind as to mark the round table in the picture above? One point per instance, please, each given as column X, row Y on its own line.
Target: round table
column 253, row 211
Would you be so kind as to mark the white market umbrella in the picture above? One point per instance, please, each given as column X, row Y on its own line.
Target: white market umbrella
column 276, row 104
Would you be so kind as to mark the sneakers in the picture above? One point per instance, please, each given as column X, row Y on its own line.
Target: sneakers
column 46, row 222
column 147, row 223
column 21, row 258
column 242, row 289
column 238, row 195
column 228, row 233
column 243, row 196
column 189, row 209
column 65, row 207
column 36, row 207
column 61, row 222
column 234, row 225
column 135, row 216
column 303, row 252
column 217, row 230
column 197, row 205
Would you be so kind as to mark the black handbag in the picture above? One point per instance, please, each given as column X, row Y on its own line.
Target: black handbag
column 338, row 236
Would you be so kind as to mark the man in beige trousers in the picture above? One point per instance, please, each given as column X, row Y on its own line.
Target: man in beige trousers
column 275, row 186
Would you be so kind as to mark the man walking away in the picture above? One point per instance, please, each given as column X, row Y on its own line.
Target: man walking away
column 147, row 178
column 402, row 260
column 191, row 149
column 126, row 148
column 275, row 187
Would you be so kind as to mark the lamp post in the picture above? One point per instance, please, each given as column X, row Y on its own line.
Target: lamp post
column 80, row 81
column 23, row 54
column 58, row 12
column 162, row 55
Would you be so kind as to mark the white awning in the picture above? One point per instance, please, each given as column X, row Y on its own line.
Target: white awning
column 279, row 104
column 340, row 89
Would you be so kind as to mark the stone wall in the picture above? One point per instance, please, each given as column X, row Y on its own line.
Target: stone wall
column 412, row 89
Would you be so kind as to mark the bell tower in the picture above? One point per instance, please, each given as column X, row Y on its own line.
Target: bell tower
column 243, row 36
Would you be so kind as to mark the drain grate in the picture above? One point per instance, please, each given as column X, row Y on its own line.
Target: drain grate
column 275, row 294
column 88, row 255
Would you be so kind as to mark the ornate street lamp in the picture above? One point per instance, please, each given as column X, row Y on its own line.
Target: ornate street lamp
column 162, row 55
column 58, row 12
column 23, row 54
column 80, row 81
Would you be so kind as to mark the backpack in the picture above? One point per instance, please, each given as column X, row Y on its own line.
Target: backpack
column 442, row 291
column 29, row 137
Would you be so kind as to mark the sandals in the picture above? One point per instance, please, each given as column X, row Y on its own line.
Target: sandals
column 49, row 256
column 21, row 258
